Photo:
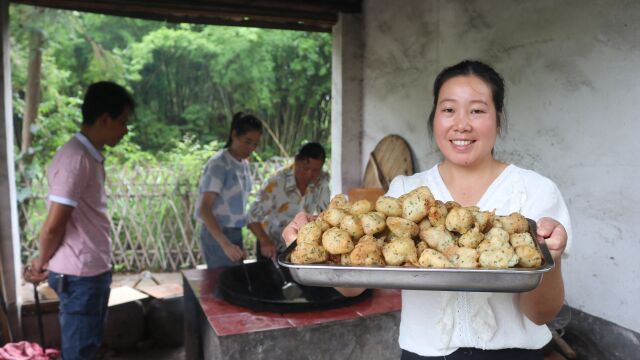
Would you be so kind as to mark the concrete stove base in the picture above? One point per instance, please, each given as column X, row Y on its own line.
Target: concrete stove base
column 218, row 330
column 374, row 337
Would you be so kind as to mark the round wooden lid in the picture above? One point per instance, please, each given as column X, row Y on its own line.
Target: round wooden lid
column 390, row 158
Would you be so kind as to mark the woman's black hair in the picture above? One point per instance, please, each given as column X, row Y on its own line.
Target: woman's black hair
column 311, row 150
column 472, row 67
column 243, row 123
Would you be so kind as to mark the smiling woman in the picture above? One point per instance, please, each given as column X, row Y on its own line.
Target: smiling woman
column 468, row 106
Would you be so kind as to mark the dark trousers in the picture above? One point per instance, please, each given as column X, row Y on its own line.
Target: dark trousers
column 83, row 310
column 477, row 354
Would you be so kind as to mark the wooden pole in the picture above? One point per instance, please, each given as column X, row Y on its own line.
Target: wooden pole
column 9, row 233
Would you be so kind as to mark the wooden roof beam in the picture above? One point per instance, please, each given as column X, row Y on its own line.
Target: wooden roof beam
column 307, row 15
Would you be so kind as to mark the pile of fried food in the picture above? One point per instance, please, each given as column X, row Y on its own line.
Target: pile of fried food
column 415, row 230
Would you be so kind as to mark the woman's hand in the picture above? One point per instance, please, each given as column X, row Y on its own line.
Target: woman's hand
column 233, row 251
column 543, row 303
column 267, row 249
column 290, row 232
column 554, row 234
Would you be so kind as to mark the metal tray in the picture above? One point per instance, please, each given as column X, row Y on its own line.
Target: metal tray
column 397, row 277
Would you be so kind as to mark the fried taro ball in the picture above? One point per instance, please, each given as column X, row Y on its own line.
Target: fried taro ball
column 367, row 252
column 522, row 239
column 308, row 253
column 529, row 257
column 402, row 227
column 433, row 259
column 310, row 233
column 499, row 258
column 514, row 223
column 337, row 241
column 471, row 238
column 339, row 202
column 361, row 207
column 463, row 257
column 389, row 206
column 459, row 220
column 352, row 225
column 438, row 213
column 373, row 223
column 438, row 238
column 399, row 251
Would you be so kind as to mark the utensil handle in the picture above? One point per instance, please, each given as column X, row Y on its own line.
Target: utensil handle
column 36, row 297
column 279, row 270
column 246, row 275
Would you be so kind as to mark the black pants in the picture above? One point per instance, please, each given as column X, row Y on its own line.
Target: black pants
column 477, row 354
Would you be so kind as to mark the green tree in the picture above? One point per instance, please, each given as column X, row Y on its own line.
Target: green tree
column 187, row 81
column 192, row 79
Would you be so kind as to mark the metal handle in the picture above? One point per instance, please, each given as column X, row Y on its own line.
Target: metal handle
column 36, row 297
column 279, row 270
column 546, row 254
column 548, row 259
column 246, row 275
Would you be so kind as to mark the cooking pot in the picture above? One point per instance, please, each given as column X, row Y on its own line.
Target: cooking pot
column 265, row 292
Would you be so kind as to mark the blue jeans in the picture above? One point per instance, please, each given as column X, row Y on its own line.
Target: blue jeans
column 83, row 310
column 214, row 256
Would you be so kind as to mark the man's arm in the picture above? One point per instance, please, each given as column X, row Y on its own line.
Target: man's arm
column 51, row 236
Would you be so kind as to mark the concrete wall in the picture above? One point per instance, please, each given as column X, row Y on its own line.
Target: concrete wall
column 346, row 105
column 573, row 87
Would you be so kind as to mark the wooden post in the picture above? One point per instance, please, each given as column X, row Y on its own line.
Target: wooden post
column 9, row 235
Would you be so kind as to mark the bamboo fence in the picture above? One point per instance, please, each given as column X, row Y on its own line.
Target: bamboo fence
column 151, row 210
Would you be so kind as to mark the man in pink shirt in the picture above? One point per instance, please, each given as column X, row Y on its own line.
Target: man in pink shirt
column 75, row 247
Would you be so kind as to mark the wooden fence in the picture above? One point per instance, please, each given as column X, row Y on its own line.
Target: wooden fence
column 151, row 212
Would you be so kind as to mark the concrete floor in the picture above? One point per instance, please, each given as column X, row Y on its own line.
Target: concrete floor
column 118, row 280
column 144, row 350
column 149, row 354
column 149, row 351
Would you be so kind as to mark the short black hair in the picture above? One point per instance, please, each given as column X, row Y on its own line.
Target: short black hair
column 311, row 150
column 105, row 97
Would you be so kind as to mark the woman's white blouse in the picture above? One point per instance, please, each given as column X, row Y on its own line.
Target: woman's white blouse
column 436, row 323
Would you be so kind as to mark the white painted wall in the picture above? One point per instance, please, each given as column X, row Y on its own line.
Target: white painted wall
column 573, row 100
column 346, row 103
